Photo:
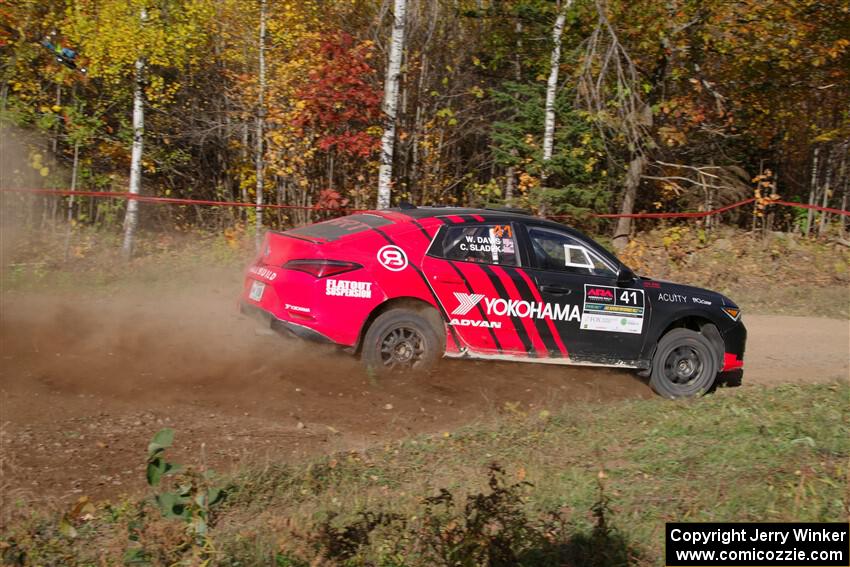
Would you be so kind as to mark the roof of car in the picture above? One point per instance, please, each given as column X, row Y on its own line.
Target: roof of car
column 490, row 215
column 429, row 212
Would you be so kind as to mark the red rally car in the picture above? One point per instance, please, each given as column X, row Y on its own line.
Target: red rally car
column 404, row 287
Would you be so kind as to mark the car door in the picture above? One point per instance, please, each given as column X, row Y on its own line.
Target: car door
column 606, row 322
column 467, row 266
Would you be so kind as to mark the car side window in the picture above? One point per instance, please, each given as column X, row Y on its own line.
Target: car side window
column 554, row 250
column 483, row 244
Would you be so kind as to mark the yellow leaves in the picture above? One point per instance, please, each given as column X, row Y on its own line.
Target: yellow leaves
column 838, row 48
column 764, row 191
column 527, row 182
column 476, row 91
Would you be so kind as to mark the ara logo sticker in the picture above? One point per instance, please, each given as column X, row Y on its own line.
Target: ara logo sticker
column 599, row 295
column 466, row 302
column 392, row 258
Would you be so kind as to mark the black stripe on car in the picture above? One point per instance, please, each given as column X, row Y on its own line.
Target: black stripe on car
column 501, row 291
column 541, row 325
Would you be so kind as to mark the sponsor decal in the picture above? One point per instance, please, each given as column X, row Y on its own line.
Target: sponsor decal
column 532, row 309
column 613, row 309
column 297, row 308
column 474, row 323
column 392, row 258
column 700, row 301
column 672, row 298
column 599, row 294
column 653, row 285
column 516, row 307
column 347, row 288
column 263, row 273
column 466, row 301
column 503, row 230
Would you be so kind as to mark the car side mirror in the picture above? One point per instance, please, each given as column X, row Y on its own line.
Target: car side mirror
column 625, row 276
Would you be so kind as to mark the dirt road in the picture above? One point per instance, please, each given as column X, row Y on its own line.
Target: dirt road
column 84, row 383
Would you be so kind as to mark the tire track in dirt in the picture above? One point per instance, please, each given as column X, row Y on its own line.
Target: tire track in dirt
column 84, row 383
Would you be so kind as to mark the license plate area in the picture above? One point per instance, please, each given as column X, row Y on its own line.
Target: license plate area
column 256, row 292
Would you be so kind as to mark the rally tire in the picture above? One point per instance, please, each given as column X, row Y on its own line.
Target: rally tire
column 400, row 340
column 685, row 365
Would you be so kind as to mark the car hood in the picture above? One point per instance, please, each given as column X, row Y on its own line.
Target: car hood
column 689, row 291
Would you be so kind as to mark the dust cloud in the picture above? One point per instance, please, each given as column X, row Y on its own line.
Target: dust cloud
column 87, row 378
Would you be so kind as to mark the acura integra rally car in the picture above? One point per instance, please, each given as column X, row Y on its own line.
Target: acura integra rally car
column 404, row 287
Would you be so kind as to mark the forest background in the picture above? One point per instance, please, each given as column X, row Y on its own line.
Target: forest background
column 567, row 108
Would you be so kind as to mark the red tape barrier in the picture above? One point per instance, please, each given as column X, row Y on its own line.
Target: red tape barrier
column 176, row 201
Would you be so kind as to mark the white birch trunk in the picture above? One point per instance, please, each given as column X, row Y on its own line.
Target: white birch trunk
column 131, row 219
column 74, row 168
column 261, row 110
column 812, row 191
column 385, row 172
column 552, row 82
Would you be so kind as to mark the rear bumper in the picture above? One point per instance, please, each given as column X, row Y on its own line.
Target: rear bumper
column 285, row 328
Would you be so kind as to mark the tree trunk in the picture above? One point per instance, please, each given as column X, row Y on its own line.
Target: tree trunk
column 131, row 219
column 74, row 168
column 261, row 110
column 391, row 104
column 824, row 216
column 510, row 174
column 552, row 83
column 810, row 214
column 624, row 224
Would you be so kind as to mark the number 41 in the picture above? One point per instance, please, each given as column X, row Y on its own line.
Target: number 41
column 624, row 297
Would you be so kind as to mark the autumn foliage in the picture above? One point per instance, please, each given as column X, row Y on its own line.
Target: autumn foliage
column 727, row 91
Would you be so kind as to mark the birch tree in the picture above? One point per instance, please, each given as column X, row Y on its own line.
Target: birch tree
column 138, row 44
column 261, row 109
column 552, row 82
column 131, row 219
column 390, row 105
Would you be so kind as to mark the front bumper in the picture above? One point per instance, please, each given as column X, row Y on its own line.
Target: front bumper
column 286, row 328
column 734, row 341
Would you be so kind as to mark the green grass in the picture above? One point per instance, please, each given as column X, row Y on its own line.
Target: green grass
column 746, row 454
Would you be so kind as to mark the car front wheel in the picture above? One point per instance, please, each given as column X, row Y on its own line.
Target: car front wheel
column 684, row 365
column 400, row 340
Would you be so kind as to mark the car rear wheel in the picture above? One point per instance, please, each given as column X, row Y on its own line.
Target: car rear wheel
column 400, row 340
column 684, row 365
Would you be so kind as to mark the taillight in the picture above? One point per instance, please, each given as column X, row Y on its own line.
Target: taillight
column 322, row 268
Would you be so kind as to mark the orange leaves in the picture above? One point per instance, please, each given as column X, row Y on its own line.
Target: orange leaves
column 764, row 192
